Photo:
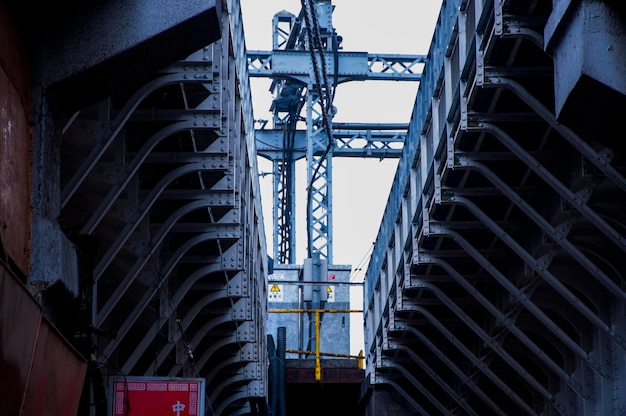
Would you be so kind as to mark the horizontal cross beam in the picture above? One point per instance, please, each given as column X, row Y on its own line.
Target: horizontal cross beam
column 351, row 66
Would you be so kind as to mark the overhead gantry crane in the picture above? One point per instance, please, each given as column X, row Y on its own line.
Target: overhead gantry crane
column 305, row 65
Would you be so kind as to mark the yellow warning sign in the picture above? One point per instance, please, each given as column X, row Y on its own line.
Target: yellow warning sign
column 275, row 292
column 330, row 294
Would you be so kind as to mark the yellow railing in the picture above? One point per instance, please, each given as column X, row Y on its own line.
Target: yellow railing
column 318, row 354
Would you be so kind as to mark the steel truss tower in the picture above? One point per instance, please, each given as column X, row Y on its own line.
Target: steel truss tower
column 305, row 65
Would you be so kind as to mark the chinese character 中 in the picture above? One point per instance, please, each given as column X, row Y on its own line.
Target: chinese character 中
column 178, row 407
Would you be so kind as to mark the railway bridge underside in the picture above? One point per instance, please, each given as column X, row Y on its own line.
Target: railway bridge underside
column 160, row 196
column 497, row 284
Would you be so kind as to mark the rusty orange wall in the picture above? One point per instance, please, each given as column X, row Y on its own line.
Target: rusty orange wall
column 15, row 144
column 40, row 373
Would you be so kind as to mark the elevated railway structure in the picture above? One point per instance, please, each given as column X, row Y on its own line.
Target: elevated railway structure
column 132, row 241
column 306, row 64
column 148, row 251
column 497, row 283
column 164, row 178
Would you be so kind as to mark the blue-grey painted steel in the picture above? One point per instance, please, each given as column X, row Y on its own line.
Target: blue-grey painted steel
column 97, row 49
column 361, row 141
column 352, row 66
column 164, row 175
column 302, row 81
column 285, row 291
column 496, row 285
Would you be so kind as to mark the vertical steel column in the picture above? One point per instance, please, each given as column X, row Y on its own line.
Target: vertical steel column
column 319, row 127
column 284, row 209
column 319, row 189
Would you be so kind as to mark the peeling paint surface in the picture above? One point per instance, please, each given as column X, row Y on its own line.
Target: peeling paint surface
column 15, row 179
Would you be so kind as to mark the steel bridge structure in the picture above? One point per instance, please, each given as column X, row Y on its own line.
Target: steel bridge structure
column 132, row 239
column 161, row 178
column 497, row 283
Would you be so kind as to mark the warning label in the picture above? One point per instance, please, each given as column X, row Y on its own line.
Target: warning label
column 275, row 292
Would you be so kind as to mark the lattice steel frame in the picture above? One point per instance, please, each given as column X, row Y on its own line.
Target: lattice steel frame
column 164, row 177
column 497, row 282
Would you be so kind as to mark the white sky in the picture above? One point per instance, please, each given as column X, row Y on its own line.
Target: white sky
column 360, row 186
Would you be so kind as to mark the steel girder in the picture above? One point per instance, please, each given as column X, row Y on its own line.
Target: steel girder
column 164, row 179
column 351, row 140
column 353, row 66
column 497, row 284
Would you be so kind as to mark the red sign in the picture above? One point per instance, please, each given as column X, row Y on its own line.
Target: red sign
column 331, row 276
column 154, row 396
